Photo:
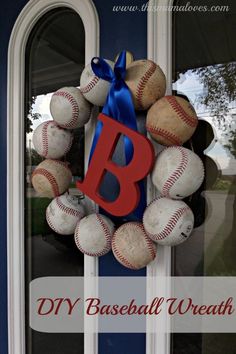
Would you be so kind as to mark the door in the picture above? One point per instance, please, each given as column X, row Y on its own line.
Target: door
column 194, row 42
column 49, row 46
column 41, row 59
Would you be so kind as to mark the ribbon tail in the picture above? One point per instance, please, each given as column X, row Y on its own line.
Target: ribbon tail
column 97, row 133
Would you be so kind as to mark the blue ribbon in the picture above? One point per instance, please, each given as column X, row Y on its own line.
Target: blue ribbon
column 119, row 106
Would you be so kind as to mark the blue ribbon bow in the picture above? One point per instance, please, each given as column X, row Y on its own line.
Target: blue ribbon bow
column 119, row 106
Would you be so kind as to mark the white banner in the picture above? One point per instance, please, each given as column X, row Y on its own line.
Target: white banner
column 124, row 304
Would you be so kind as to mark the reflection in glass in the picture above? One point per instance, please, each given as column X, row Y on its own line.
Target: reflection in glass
column 54, row 59
column 204, row 62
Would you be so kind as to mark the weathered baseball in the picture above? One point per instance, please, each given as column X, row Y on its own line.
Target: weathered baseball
column 178, row 172
column 51, row 178
column 146, row 81
column 52, row 141
column 69, row 108
column 132, row 247
column 93, row 235
column 94, row 89
column 171, row 120
column 168, row 222
column 63, row 214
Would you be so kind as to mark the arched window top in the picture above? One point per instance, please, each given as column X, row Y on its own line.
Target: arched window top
column 35, row 9
column 31, row 15
column 55, row 51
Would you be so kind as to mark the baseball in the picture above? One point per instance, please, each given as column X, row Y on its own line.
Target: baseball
column 94, row 89
column 132, row 247
column 51, row 178
column 146, row 81
column 168, row 222
column 178, row 172
column 63, row 214
column 52, row 141
column 129, row 57
column 69, row 108
column 171, row 120
column 93, row 235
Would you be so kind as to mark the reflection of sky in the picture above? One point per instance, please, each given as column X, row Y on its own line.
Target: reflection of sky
column 189, row 85
column 41, row 106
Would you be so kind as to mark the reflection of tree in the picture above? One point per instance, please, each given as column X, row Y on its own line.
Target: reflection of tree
column 32, row 157
column 220, row 88
column 219, row 83
column 232, row 143
column 31, row 116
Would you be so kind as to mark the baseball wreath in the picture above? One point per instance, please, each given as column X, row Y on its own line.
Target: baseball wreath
column 176, row 172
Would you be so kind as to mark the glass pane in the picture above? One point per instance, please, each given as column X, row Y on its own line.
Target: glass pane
column 204, row 71
column 54, row 59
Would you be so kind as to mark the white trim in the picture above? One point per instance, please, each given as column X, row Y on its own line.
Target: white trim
column 160, row 51
column 15, row 158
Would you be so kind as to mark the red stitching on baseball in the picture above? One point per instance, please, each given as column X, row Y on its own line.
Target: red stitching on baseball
column 172, row 138
column 144, row 79
column 51, row 179
column 96, row 254
column 121, row 257
column 64, row 164
column 75, row 109
column 181, row 112
column 45, row 138
column 149, row 242
column 177, row 173
column 107, row 233
column 107, row 236
column 170, row 225
column 90, row 85
column 50, row 223
column 69, row 145
column 67, row 209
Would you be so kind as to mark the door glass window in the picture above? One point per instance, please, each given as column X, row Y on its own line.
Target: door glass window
column 204, row 71
column 55, row 57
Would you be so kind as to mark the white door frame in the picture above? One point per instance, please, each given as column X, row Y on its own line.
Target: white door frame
column 29, row 16
column 160, row 51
